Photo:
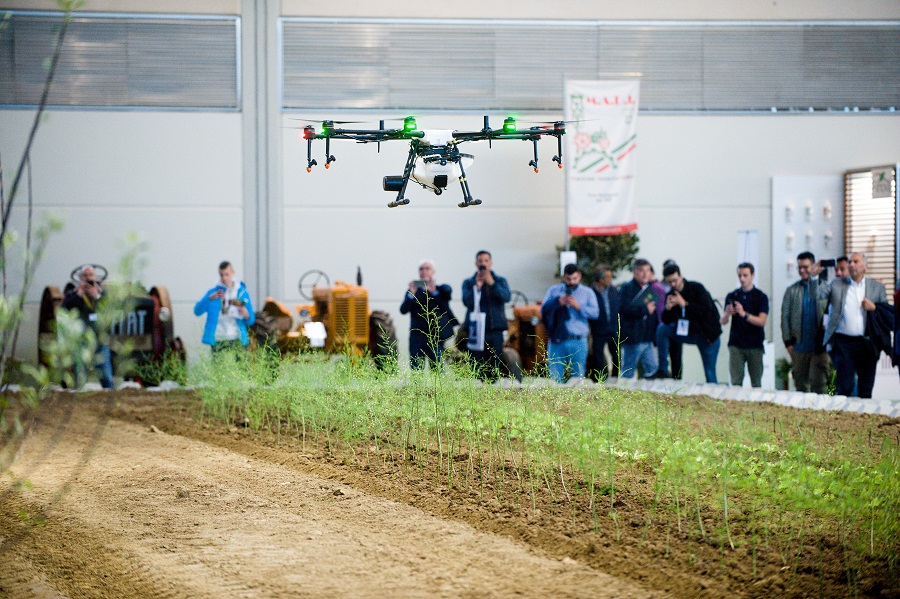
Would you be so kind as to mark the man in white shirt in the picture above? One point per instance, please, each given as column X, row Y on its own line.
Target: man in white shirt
column 855, row 359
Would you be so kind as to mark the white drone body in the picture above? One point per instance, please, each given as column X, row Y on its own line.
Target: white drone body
column 424, row 172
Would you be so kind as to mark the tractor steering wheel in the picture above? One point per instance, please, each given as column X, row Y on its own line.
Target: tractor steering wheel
column 309, row 281
column 99, row 271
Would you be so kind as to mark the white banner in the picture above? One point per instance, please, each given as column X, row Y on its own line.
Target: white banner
column 601, row 137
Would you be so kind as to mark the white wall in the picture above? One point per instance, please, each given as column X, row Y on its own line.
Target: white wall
column 175, row 178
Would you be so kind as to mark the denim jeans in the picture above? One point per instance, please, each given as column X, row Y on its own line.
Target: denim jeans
column 571, row 352
column 634, row 353
column 709, row 352
column 102, row 363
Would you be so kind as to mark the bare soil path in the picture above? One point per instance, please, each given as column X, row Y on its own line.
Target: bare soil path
column 109, row 497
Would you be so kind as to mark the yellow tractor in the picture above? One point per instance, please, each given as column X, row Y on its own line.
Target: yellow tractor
column 338, row 320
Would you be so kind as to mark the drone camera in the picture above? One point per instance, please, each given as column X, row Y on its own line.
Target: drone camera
column 440, row 181
column 392, row 183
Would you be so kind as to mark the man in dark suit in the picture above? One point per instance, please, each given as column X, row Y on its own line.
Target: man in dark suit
column 484, row 295
column 855, row 358
column 604, row 328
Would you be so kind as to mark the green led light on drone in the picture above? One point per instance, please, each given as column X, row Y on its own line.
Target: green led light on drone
column 509, row 125
column 409, row 123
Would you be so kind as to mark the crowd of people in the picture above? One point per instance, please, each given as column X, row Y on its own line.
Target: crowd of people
column 645, row 323
column 840, row 326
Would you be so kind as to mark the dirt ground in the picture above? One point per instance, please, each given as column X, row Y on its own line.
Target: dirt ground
column 130, row 494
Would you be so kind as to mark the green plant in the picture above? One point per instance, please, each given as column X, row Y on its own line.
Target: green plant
column 782, row 373
column 617, row 251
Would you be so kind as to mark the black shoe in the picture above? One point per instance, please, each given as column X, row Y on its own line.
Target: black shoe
column 660, row 374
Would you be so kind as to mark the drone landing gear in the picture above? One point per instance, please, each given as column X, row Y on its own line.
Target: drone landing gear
column 407, row 171
column 468, row 200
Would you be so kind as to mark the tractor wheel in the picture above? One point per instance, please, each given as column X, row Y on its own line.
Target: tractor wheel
column 512, row 363
column 50, row 302
column 164, row 315
column 382, row 340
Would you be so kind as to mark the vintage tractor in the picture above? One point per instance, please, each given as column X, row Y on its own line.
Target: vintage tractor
column 145, row 331
column 527, row 334
column 338, row 320
column 525, row 350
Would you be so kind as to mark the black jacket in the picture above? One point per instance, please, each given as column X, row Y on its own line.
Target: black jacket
column 879, row 325
column 493, row 300
column 554, row 316
column 701, row 311
column 430, row 315
column 601, row 327
column 638, row 325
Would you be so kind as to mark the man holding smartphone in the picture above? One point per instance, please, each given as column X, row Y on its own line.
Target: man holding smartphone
column 431, row 319
column 565, row 311
column 749, row 309
column 86, row 299
column 484, row 295
column 690, row 317
column 229, row 312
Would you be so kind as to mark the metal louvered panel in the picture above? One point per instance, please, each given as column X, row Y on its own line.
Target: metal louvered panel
column 677, row 55
column 522, row 65
column 870, row 223
column 532, row 63
column 123, row 61
column 758, row 67
column 454, row 71
column 348, row 68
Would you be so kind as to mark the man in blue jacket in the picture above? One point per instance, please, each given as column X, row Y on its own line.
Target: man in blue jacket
column 484, row 295
column 228, row 310
column 565, row 311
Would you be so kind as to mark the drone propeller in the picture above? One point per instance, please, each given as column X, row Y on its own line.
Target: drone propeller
column 319, row 121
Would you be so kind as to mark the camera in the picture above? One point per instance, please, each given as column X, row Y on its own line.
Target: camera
column 482, row 267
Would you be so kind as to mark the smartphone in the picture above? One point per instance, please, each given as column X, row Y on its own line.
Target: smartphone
column 827, row 263
column 420, row 284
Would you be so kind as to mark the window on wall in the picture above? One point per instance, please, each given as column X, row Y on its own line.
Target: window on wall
column 122, row 61
column 870, row 220
column 522, row 65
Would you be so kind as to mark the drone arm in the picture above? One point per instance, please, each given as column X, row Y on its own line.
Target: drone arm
column 464, row 184
column 558, row 158
column 309, row 159
column 407, row 171
column 328, row 157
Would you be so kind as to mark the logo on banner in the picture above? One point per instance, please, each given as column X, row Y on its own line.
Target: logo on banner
column 597, row 152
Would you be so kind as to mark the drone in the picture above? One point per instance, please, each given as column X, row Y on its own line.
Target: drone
column 434, row 159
